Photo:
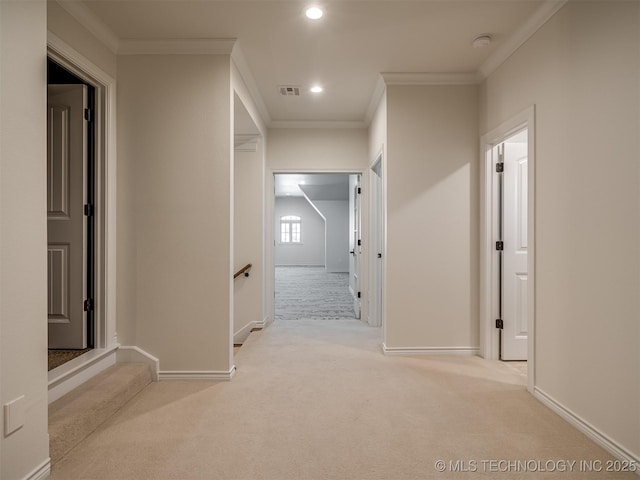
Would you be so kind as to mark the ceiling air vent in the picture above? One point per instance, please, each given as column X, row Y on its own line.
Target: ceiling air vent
column 289, row 91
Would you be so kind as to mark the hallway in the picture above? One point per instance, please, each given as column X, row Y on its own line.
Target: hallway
column 318, row 400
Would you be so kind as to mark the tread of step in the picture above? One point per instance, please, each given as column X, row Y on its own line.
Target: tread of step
column 78, row 413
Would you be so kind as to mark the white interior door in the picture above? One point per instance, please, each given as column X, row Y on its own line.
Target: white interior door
column 66, row 222
column 356, row 251
column 514, row 266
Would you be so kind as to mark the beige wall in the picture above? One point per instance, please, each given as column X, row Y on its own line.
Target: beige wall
column 23, row 233
column 317, row 149
column 432, row 217
column 67, row 28
column 581, row 71
column 248, row 237
column 175, row 223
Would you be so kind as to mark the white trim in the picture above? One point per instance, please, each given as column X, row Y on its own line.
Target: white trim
column 378, row 91
column 133, row 354
column 263, row 323
column 77, row 371
column 91, row 22
column 431, row 78
column 410, row 351
column 62, row 379
column 589, row 430
column 182, row 46
column 196, row 374
column 547, row 10
column 317, row 124
column 241, row 335
column 239, row 60
column 41, row 472
column 488, row 283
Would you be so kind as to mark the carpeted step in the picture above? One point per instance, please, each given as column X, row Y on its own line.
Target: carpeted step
column 78, row 413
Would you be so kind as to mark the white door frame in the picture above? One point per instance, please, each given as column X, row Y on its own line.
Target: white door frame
column 489, row 347
column 106, row 341
column 270, row 234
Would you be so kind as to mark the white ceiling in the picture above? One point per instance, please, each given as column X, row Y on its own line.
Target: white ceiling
column 316, row 186
column 345, row 51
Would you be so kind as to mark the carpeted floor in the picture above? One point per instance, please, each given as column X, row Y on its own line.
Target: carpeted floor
column 311, row 293
column 317, row 400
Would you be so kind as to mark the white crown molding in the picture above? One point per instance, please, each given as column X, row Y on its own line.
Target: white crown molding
column 196, row 374
column 406, row 351
column 238, row 58
column 91, row 22
column 430, row 78
column 182, row 46
column 585, row 427
column 547, row 10
column 329, row 124
column 378, row 91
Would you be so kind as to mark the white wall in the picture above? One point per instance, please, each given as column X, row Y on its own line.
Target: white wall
column 23, row 234
column 581, row 71
column 336, row 215
column 174, row 147
column 312, row 249
column 248, row 239
column 432, row 273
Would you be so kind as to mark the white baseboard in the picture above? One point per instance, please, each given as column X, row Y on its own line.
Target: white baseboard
column 77, row 371
column 130, row 354
column 196, row 375
column 241, row 335
column 589, row 430
column 41, row 472
column 265, row 321
column 407, row 351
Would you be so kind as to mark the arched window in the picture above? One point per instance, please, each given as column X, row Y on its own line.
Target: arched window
column 290, row 229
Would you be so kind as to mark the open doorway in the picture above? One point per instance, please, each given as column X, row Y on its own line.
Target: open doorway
column 507, row 262
column 70, row 215
column 317, row 246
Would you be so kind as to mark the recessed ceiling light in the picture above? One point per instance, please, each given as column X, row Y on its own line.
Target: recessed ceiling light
column 316, row 89
column 313, row 13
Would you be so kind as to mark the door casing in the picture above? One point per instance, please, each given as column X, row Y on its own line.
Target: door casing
column 106, row 340
column 489, row 347
column 270, row 233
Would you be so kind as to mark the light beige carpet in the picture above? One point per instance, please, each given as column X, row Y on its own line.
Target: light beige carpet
column 318, row 400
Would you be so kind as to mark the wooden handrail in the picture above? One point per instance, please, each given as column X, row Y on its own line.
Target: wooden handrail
column 244, row 270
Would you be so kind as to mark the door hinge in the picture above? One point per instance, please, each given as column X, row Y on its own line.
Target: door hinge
column 499, row 323
column 499, row 167
column 359, row 242
column 88, row 305
column 359, row 190
column 359, row 294
column 499, row 245
column 88, row 210
column 88, row 115
column 379, row 255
